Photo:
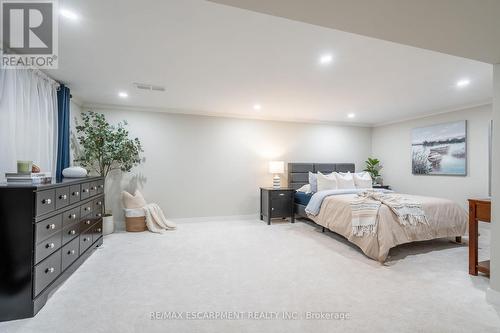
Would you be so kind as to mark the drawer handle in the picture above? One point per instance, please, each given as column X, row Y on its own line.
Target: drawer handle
column 85, row 190
column 98, row 214
column 50, row 270
column 98, row 203
column 93, row 188
column 75, row 193
column 51, row 226
column 86, row 208
column 71, row 252
column 282, row 194
column 98, row 229
column 46, row 201
column 101, row 186
column 87, row 222
column 72, row 216
column 72, row 232
column 63, row 197
column 85, row 239
column 50, row 246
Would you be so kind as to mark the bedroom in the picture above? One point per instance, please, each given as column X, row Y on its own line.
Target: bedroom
column 217, row 90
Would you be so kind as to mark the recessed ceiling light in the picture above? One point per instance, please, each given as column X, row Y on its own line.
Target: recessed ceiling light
column 123, row 94
column 257, row 107
column 463, row 83
column 325, row 59
column 351, row 115
column 68, row 14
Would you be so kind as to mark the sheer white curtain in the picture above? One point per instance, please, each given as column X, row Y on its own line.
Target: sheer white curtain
column 28, row 119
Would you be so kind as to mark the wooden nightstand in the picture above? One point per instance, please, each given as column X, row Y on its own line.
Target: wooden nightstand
column 276, row 203
column 387, row 187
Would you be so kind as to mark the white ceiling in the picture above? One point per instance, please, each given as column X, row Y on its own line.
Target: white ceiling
column 466, row 28
column 219, row 60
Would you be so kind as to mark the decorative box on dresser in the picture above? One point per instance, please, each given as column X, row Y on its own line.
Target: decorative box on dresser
column 47, row 232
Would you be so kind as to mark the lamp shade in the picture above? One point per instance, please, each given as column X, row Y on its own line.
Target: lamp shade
column 276, row 167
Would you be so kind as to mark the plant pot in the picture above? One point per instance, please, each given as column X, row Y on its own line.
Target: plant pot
column 108, row 225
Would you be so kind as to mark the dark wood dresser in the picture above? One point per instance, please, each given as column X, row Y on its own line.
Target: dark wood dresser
column 47, row 232
column 479, row 210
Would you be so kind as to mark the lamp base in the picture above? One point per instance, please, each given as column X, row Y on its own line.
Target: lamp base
column 276, row 181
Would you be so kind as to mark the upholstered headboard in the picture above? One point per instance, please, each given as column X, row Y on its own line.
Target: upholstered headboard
column 298, row 173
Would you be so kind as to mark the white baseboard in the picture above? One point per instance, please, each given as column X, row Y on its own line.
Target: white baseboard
column 493, row 296
column 215, row 218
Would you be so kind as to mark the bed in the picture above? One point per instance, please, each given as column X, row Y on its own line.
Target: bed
column 445, row 217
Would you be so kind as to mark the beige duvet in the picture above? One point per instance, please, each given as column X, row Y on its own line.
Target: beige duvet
column 446, row 219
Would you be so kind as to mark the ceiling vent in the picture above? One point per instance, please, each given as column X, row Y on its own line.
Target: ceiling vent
column 150, row 87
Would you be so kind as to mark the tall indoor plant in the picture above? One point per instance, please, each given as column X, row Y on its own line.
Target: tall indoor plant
column 373, row 167
column 104, row 148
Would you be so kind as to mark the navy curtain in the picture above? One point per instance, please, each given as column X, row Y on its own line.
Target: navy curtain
column 63, row 98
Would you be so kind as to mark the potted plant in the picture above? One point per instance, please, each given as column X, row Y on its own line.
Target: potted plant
column 373, row 167
column 104, row 148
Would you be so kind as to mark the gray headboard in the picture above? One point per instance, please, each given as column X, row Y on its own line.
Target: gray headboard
column 298, row 173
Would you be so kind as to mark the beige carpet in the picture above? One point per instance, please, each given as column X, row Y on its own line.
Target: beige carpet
column 246, row 266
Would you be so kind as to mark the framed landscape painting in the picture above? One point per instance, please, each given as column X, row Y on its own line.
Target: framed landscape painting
column 440, row 149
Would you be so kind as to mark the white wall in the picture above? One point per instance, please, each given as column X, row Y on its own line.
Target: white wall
column 392, row 145
column 209, row 166
column 494, row 294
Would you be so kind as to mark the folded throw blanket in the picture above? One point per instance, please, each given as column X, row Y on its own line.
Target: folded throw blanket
column 155, row 219
column 365, row 210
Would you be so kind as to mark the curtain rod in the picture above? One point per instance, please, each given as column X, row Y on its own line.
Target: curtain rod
column 45, row 76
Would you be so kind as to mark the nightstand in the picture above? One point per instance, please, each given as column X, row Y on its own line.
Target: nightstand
column 387, row 187
column 276, row 203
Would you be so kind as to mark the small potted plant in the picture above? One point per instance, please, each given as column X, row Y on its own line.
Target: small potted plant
column 373, row 167
column 104, row 148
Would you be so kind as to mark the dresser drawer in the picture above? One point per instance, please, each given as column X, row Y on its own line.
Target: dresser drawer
column 98, row 207
column 85, row 193
column 48, row 227
column 85, row 240
column 47, row 247
column 93, row 189
column 96, row 231
column 70, row 253
column 47, row 271
column 74, row 193
column 86, row 209
column 45, row 202
column 62, row 197
column 86, row 223
column 69, row 232
column 281, row 195
column 71, row 216
column 100, row 186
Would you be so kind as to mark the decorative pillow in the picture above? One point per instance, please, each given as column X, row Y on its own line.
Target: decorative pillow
column 313, row 181
column 326, row 182
column 345, row 181
column 133, row 201
column 306, row 188
column 74, row 172
column 363, row 180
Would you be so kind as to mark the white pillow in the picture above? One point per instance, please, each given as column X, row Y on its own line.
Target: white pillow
column 363, row 180
column 327, row 182
column 345, row 181
column 306, row 188
column 74, row 172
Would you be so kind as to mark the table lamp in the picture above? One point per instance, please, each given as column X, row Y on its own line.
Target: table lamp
column 276, row 168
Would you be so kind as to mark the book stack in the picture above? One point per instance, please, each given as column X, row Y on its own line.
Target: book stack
column 29, row 178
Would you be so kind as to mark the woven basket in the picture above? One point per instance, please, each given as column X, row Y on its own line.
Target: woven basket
column 135, row 224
